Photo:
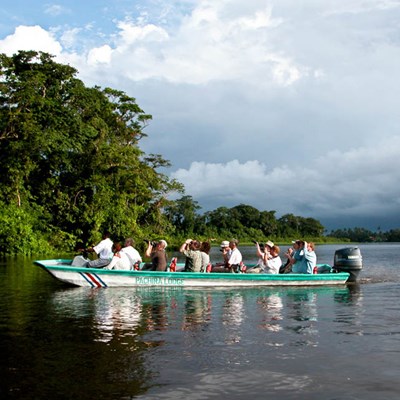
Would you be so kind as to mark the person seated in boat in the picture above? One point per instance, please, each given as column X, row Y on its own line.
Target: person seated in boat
column 269, row 260
column 205, row 248
column 156, row 251
column 305, row 259
column 191, row 250
column 125, row 258
column 287, row 267
column 103, row 250
column 129, row 249
column 268, row 245
column 226, row 252
column 235, row 257
column 262, row 249
column 116, row 248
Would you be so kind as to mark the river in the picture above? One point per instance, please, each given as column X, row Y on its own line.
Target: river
column 172, row 343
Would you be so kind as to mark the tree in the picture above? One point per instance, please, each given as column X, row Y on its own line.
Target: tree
column 353, row 234
column 289, row 226
column 248, row 216
column 73, row 151
column 183, row 215
column 219, row 218
column 310, row 227
column 393, row 235
column 268, row 223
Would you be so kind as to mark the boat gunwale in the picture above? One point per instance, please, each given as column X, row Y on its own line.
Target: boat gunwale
column 64, row 265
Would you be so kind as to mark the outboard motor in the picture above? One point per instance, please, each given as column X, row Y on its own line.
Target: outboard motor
column 349, row 260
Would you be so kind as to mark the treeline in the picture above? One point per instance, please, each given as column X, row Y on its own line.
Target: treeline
column 242, row 221
column 366, row 235
column 71, row 167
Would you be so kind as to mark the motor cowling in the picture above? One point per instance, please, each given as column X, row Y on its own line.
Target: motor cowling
column 348, row 260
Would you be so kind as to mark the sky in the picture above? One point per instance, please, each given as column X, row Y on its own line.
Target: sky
column 283, row 105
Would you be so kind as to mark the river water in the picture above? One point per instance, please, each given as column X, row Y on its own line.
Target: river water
column 59, row 342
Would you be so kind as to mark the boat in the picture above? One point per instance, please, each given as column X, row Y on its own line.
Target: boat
column 63, row 270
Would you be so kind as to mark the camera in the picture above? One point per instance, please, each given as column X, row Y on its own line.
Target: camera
column 152, row 242
column 261, row 245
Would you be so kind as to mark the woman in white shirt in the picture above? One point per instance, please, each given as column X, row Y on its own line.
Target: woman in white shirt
column 269, row 262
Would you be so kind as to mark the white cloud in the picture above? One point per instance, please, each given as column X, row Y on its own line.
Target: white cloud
column 69, row 37
column 131, row 33
column 209, row 45
column 100, row 55
column 30, row 38
column 361, row 6
column 214, row 42
column 358, row 182
column 55, row 10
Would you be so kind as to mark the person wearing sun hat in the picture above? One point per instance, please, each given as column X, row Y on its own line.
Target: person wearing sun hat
column 225, row 250
column 266, row 249
column 224, row 244
column 269, row 260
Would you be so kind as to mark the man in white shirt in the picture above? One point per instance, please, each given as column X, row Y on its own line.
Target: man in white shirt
column 104, row 252
column 126, row 258
column 235, row 257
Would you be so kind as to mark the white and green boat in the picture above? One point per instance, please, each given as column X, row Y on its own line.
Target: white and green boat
column 61, row 269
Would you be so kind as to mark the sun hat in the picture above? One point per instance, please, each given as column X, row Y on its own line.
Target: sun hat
column 269, row 243
column 225, row 243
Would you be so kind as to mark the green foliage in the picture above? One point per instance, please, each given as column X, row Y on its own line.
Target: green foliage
column 73, row 152
column 22, row 231
column 242, row 221
column 182, row 214
column 393, row 235
column 354, row 234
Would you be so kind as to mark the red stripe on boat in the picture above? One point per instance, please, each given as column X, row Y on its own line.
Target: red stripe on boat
column 95, row 281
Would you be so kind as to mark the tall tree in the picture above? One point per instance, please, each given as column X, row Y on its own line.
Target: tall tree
column 74, row 151
column 183, row 215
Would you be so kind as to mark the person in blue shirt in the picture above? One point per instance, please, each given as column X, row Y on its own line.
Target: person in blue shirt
column 305, row 258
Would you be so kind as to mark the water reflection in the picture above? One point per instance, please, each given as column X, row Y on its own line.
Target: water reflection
column 349, row 313
column 116, row 314
column 121, row 312
column 135, row 337
column 233, row 309
column 351, row 295
column 197, row 310
column 271, row 309
column 303, row 313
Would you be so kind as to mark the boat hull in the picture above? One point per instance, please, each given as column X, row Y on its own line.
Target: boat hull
column 94, row 277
